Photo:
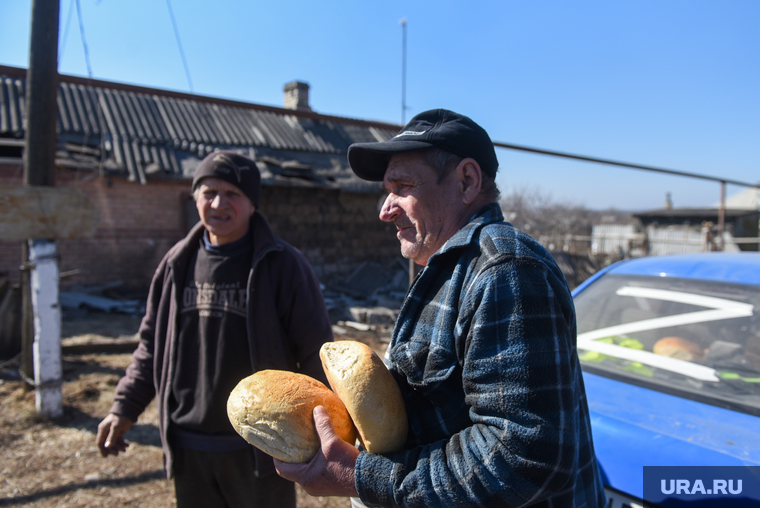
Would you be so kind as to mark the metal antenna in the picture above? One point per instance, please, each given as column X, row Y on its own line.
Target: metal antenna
column 403, row 70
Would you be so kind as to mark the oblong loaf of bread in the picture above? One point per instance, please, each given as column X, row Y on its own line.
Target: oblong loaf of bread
column 272, row 410
column 369, row 392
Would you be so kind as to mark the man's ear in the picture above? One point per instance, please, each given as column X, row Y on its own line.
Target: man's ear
column 470, row 180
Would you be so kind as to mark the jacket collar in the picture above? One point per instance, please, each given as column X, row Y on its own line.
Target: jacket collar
column 489, row 214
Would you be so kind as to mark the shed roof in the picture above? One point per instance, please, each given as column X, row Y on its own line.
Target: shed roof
column 692, row 213
column 145, row 133
column 747, row 199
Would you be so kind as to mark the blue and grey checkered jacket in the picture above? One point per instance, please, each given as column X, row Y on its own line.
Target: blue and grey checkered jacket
column 484, row 353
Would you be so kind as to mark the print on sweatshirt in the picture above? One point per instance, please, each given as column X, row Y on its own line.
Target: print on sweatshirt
column 213, row 299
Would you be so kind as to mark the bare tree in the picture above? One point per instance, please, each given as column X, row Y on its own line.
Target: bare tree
column 551, row 222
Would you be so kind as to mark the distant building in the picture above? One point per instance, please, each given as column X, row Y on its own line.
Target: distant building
column 682, row 230
column 676, row 231
column 748, row 199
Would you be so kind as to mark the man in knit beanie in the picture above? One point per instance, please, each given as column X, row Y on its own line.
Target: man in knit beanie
column 228, row 300
column 234, row 168
column 226, row 188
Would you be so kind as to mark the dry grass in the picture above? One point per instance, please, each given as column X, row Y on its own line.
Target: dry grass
column 56, row 463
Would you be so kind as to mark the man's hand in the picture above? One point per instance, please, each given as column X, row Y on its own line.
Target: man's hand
column 331, row 471
column 110, row 438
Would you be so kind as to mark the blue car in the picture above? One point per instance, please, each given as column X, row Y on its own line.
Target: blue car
column 670, row 349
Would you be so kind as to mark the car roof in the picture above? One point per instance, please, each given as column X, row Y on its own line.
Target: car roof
column 735, row 267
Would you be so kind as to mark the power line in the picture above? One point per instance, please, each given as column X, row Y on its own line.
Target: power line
column 624, row 164
column 84, row 41
column 62, row 49
column 179, row 44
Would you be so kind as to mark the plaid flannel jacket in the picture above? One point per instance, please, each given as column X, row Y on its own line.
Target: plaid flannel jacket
column 484, row 353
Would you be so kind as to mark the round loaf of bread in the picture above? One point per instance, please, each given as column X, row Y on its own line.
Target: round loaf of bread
column 371, row 395
column 678, row 348
column 273, row 410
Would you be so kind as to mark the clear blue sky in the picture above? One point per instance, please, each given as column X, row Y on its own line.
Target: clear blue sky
column 666, row 83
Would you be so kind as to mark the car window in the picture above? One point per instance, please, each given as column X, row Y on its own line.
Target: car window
column 699, row 339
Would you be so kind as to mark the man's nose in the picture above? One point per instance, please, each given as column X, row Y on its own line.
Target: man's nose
column 389, row 210
column 218, row 201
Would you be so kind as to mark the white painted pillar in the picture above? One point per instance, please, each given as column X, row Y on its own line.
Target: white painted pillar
column 48, row 374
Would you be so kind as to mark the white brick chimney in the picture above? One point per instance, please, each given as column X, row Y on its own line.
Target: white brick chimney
column 297, row 95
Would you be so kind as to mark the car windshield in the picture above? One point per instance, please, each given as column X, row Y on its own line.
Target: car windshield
column 697, row 339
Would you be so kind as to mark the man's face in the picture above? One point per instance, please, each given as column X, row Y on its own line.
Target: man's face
column 425, row 212
column 224, row 210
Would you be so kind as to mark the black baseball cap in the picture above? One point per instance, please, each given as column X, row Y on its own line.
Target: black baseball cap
column 231, row 167
column 437, row 128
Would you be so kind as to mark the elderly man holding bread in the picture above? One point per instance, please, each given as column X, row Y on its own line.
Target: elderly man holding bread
column 228, row 300
column 483, row 351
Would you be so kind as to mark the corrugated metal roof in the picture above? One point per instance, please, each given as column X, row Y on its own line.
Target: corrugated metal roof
column 11, row 108
column 148, row 133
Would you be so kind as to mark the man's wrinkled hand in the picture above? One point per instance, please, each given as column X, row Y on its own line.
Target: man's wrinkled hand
column 331, row 471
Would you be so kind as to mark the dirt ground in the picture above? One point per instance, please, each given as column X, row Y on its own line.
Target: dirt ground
column 56, row 463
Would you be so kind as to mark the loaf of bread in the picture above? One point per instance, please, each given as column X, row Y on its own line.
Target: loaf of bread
column 678, row 348
column 371, row 396
column 273, row 410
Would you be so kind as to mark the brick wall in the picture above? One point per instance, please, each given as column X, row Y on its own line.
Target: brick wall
column 335, row 230
column 139, row 223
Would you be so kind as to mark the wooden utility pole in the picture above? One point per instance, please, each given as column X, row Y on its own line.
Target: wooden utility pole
column 41, row 88
column 41, row 254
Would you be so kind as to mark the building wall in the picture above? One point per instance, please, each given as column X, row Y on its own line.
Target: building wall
column 335, row 230
column 139, row 223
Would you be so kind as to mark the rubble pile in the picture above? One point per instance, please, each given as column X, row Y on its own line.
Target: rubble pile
column 369, row 298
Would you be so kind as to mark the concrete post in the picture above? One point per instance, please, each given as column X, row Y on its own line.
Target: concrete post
column 48, row 373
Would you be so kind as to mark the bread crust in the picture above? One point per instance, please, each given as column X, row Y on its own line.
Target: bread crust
column 273, row 411
column 369, row 392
